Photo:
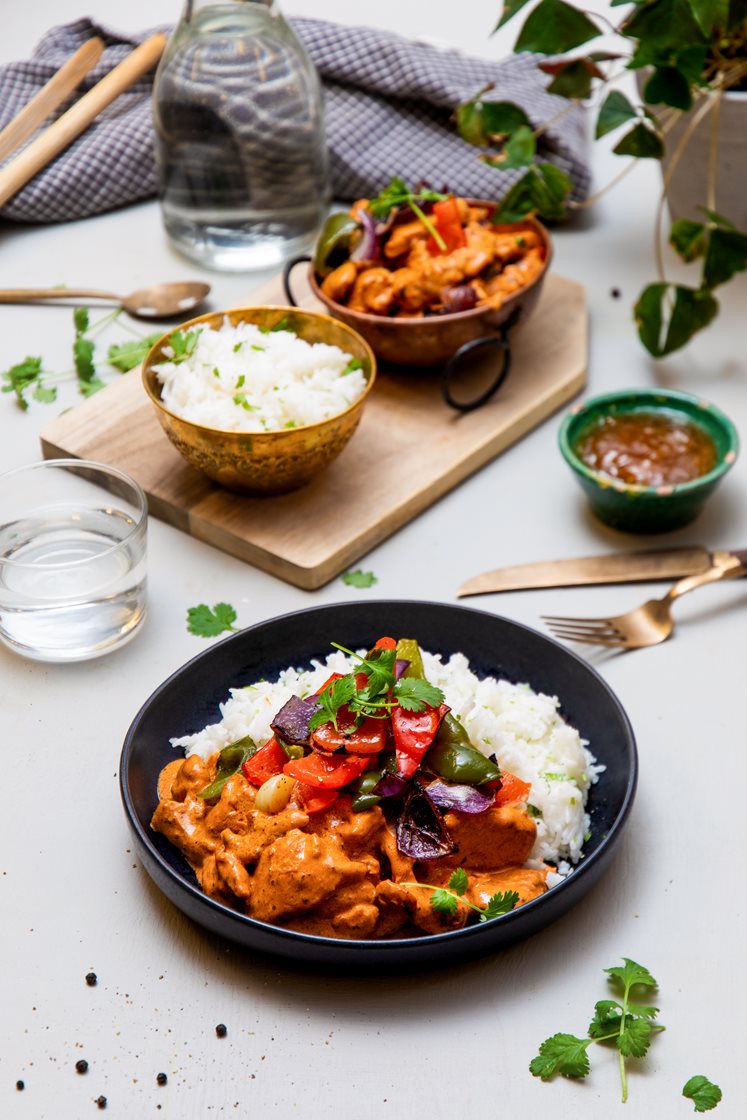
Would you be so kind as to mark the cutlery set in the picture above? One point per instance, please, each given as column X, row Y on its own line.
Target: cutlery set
column 647, row 625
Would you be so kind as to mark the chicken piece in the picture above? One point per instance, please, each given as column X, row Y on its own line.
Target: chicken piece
column 513, row 246
column 428, row 275
column 187, row 775
column 526, row 881
column 500, row 837
column 233, row 873
column 212, row 882
column 373, row 292
column 404, row 905
column 339, row 283
column 515, row 276
column 351, row 912
column 181, row 822
column 476, row 214
column 259, row 831
column 402, row 238
column 299, row 871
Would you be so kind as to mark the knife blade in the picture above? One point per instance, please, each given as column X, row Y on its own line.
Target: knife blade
column 617, row 567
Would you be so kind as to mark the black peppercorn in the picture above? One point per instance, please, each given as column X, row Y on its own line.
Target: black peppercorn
column 81, row 1066
column 91, row 979
column 20, row 1086
column 221, row 1030
column 101, row 1101
column 615, row 293
column 161, row 1078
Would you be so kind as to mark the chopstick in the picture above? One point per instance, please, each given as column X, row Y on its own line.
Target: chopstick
column 70, row 125
column 36, row 111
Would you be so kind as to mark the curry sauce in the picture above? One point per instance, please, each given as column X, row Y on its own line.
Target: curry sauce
column 336, row 873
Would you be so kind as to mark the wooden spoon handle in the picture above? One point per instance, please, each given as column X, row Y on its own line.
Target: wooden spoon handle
column 64, row 130
column 59, row 86
column 31, row 295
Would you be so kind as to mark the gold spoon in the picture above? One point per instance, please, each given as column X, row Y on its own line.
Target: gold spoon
column 160, row 301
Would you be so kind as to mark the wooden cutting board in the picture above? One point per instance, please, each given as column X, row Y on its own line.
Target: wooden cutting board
column 409, row 450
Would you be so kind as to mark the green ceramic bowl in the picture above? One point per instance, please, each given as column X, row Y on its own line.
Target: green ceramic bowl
column 648, row 509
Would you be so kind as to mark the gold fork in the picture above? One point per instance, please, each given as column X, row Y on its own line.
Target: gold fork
column 652, row 622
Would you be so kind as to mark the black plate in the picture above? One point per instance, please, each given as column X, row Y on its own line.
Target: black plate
column 189, row 700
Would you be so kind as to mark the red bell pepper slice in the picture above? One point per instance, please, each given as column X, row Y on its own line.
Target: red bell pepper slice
column 314, row 800
column 265, row 763
column 325, row 771
column 414, row 733
column 508, row 789
column 369, row 738
column 327, row 683
column 386, row 643
column 448, row 223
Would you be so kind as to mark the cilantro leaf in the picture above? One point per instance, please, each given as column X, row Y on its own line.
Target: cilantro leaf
column 459, row 881
column 81, row 320
column 635, row 1038
column 630, row 975
column 19, row 377
column 353, row 364
column 125, row 356
column 83, row 349
column 45, row 394
column 607, row 1018
column 564, row 1054
column 704, row 1094
column 206, row 623
column 500, row 903
column 339, row 692
column 88, row 388
column 444, row 902
column 413, row 694
column 183, row 345
column 359, row 578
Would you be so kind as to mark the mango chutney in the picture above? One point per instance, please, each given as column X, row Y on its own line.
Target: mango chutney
column 647, row 448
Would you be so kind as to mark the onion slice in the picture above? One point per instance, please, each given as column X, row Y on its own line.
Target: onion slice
column 367, row 248
column 291, row 723
column 421, row 832
column 463, row 798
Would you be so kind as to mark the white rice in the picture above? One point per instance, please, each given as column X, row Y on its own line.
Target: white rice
column 240, row 379
column 520, row 727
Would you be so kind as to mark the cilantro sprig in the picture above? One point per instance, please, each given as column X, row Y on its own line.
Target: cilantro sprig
column 359, row 578
column 445, row 900
column 381, row 692
column 207, row 622
column 399, row 194
column 627, row 1024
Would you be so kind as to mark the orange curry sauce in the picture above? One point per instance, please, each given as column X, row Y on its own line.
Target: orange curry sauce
column 647, row 449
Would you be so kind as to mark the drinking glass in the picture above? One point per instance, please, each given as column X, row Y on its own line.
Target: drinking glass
column 72, row 559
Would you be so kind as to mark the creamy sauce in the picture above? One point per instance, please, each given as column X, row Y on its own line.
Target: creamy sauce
column 648, row 449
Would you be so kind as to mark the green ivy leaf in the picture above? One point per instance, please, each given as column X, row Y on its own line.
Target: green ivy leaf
column 510, row 8
column 480, row 121
column 717, row 219
column 668, row 86
column 711, row 14
column 572, row 79
column 688, row 238
column 615, row 110
column 554, row 27
column 665, row 326
column 542, row 191
column 641, row 142
column 726, row 255
column 518, row 150
column 661, row 27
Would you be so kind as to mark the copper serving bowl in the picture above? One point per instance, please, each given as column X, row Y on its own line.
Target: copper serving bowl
column 434, row 340
column 268, row 462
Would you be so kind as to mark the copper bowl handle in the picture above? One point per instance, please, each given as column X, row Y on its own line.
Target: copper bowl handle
column 452, row 368
column 288, row 269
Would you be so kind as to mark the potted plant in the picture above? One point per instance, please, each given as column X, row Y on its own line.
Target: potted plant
column 690, row 57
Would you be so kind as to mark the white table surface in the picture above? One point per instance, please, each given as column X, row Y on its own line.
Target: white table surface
column 431, row 1045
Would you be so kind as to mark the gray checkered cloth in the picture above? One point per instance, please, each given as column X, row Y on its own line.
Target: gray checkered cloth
column 389, row 103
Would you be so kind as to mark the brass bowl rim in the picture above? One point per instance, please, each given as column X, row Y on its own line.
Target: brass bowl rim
column 391, row 321
column 270, row 432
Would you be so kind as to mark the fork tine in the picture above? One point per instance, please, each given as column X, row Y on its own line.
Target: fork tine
column 563, row 619
column 609, row 643
column 587, row 631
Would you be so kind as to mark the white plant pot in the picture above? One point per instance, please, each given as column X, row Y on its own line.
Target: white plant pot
column 688, row 187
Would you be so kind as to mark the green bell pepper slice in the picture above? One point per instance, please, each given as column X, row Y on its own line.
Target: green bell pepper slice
column 363, row 795
column 452, row 755
column 333, row 242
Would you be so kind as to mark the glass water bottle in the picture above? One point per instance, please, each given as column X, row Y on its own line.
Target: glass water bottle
column 240, row 143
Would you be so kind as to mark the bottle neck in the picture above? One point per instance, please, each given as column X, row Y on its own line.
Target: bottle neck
column 193, row 7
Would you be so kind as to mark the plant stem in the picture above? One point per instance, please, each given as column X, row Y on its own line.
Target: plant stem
column 713, row 153
column 429, row 226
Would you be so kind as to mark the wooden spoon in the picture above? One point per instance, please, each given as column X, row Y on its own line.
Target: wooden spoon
column 160, row 301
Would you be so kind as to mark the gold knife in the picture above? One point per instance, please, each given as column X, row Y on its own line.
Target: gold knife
column 617, row 567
